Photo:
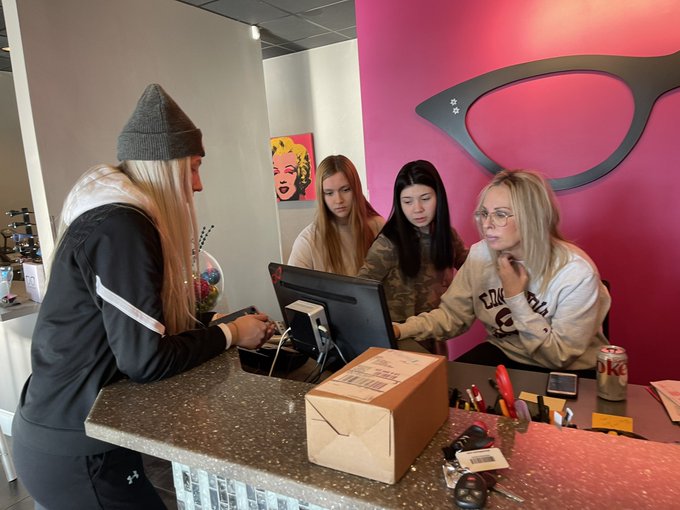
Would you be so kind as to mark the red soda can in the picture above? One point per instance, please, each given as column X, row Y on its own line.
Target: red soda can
column 612, row 373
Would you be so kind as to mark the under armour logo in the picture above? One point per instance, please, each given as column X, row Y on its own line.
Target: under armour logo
column 132, row 477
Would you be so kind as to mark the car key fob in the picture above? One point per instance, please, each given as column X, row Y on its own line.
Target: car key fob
column 471, row 491
column 473, row 438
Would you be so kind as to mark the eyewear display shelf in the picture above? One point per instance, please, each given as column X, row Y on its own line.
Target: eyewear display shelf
column 243, row 436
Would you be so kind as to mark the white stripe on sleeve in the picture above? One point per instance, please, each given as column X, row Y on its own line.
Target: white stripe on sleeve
column 227, row 334
column 128, row 309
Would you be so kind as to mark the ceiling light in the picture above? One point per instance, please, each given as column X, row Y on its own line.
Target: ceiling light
column 255, row 32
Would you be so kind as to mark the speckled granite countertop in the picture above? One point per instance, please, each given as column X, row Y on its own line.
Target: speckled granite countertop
column 252, row 428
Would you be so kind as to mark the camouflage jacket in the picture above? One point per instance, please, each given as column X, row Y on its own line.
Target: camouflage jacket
column 410, row 296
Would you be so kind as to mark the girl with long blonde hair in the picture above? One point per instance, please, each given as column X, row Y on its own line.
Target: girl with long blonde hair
column 120, row 303
column 345, row 224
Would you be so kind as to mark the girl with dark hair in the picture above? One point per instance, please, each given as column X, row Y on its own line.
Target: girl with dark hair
column 417, row 250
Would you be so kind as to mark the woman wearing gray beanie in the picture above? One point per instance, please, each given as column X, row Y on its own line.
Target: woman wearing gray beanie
column 120, row 303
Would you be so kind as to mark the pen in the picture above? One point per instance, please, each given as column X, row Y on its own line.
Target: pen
column 473, row 401
column 543, row 415
column 479, row 399
column 454, row 397
column 504, row 408
column 493, row 384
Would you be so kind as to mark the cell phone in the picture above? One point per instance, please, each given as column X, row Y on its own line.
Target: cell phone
column 562, row 384
column 234, row 315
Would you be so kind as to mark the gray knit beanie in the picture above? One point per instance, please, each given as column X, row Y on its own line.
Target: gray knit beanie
column 158, row 130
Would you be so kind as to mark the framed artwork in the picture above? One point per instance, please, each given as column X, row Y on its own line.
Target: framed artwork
column 294, row 167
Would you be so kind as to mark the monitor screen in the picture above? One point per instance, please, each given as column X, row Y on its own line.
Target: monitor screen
column 355, row 308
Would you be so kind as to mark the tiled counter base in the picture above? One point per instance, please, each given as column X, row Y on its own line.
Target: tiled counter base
column 197, row 489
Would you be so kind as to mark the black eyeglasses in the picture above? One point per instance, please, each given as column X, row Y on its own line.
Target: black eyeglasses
column 647, row 77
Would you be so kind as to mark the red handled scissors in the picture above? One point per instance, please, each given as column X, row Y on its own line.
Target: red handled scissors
column 505, row 389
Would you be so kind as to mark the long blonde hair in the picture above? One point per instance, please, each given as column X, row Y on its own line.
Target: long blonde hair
column 168, row 185
column 537, row 216
column 328, row 237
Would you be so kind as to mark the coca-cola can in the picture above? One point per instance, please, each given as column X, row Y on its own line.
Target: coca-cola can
column 612, row 373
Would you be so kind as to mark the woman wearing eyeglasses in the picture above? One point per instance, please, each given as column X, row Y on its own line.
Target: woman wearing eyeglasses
column 416, row 253
column 539, row 297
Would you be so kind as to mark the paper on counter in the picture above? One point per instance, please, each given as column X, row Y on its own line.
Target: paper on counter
column 669, row 393
column 610, row 421
column 669, row 388
column 555, row 404
column 672, row 408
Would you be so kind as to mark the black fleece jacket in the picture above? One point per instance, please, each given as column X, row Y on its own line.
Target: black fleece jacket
column 101, row 320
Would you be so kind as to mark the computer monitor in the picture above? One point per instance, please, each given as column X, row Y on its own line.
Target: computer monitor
column 355, row 308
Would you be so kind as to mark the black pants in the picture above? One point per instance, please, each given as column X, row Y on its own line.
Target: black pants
column 488, row 354
column 110, row 480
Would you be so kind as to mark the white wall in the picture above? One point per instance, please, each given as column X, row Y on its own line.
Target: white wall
column 75, row 96
column 316, row 91
column 15, row 192
column 15, row 364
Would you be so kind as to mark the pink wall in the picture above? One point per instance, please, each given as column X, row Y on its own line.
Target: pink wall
column 409, row 51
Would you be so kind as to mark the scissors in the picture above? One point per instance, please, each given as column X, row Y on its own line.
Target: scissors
column 505, row 389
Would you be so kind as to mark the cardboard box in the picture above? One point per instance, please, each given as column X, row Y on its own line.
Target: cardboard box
column 34, row 279
column 377, row 414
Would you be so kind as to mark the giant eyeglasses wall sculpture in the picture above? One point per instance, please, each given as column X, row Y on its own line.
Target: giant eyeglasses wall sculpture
column 648, row 78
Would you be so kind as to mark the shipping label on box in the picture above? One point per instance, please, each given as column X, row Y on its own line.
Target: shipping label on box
column 377, row 414
column 377, row 375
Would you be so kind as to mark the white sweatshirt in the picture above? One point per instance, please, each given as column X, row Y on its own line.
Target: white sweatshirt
column 308, row 252
column 560, row 328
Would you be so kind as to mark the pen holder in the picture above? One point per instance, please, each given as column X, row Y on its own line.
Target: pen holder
column 499, row 408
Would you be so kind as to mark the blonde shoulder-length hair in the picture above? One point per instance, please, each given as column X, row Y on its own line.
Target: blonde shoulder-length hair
column 168, row 186
column 327, row 235
column 537, row 218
